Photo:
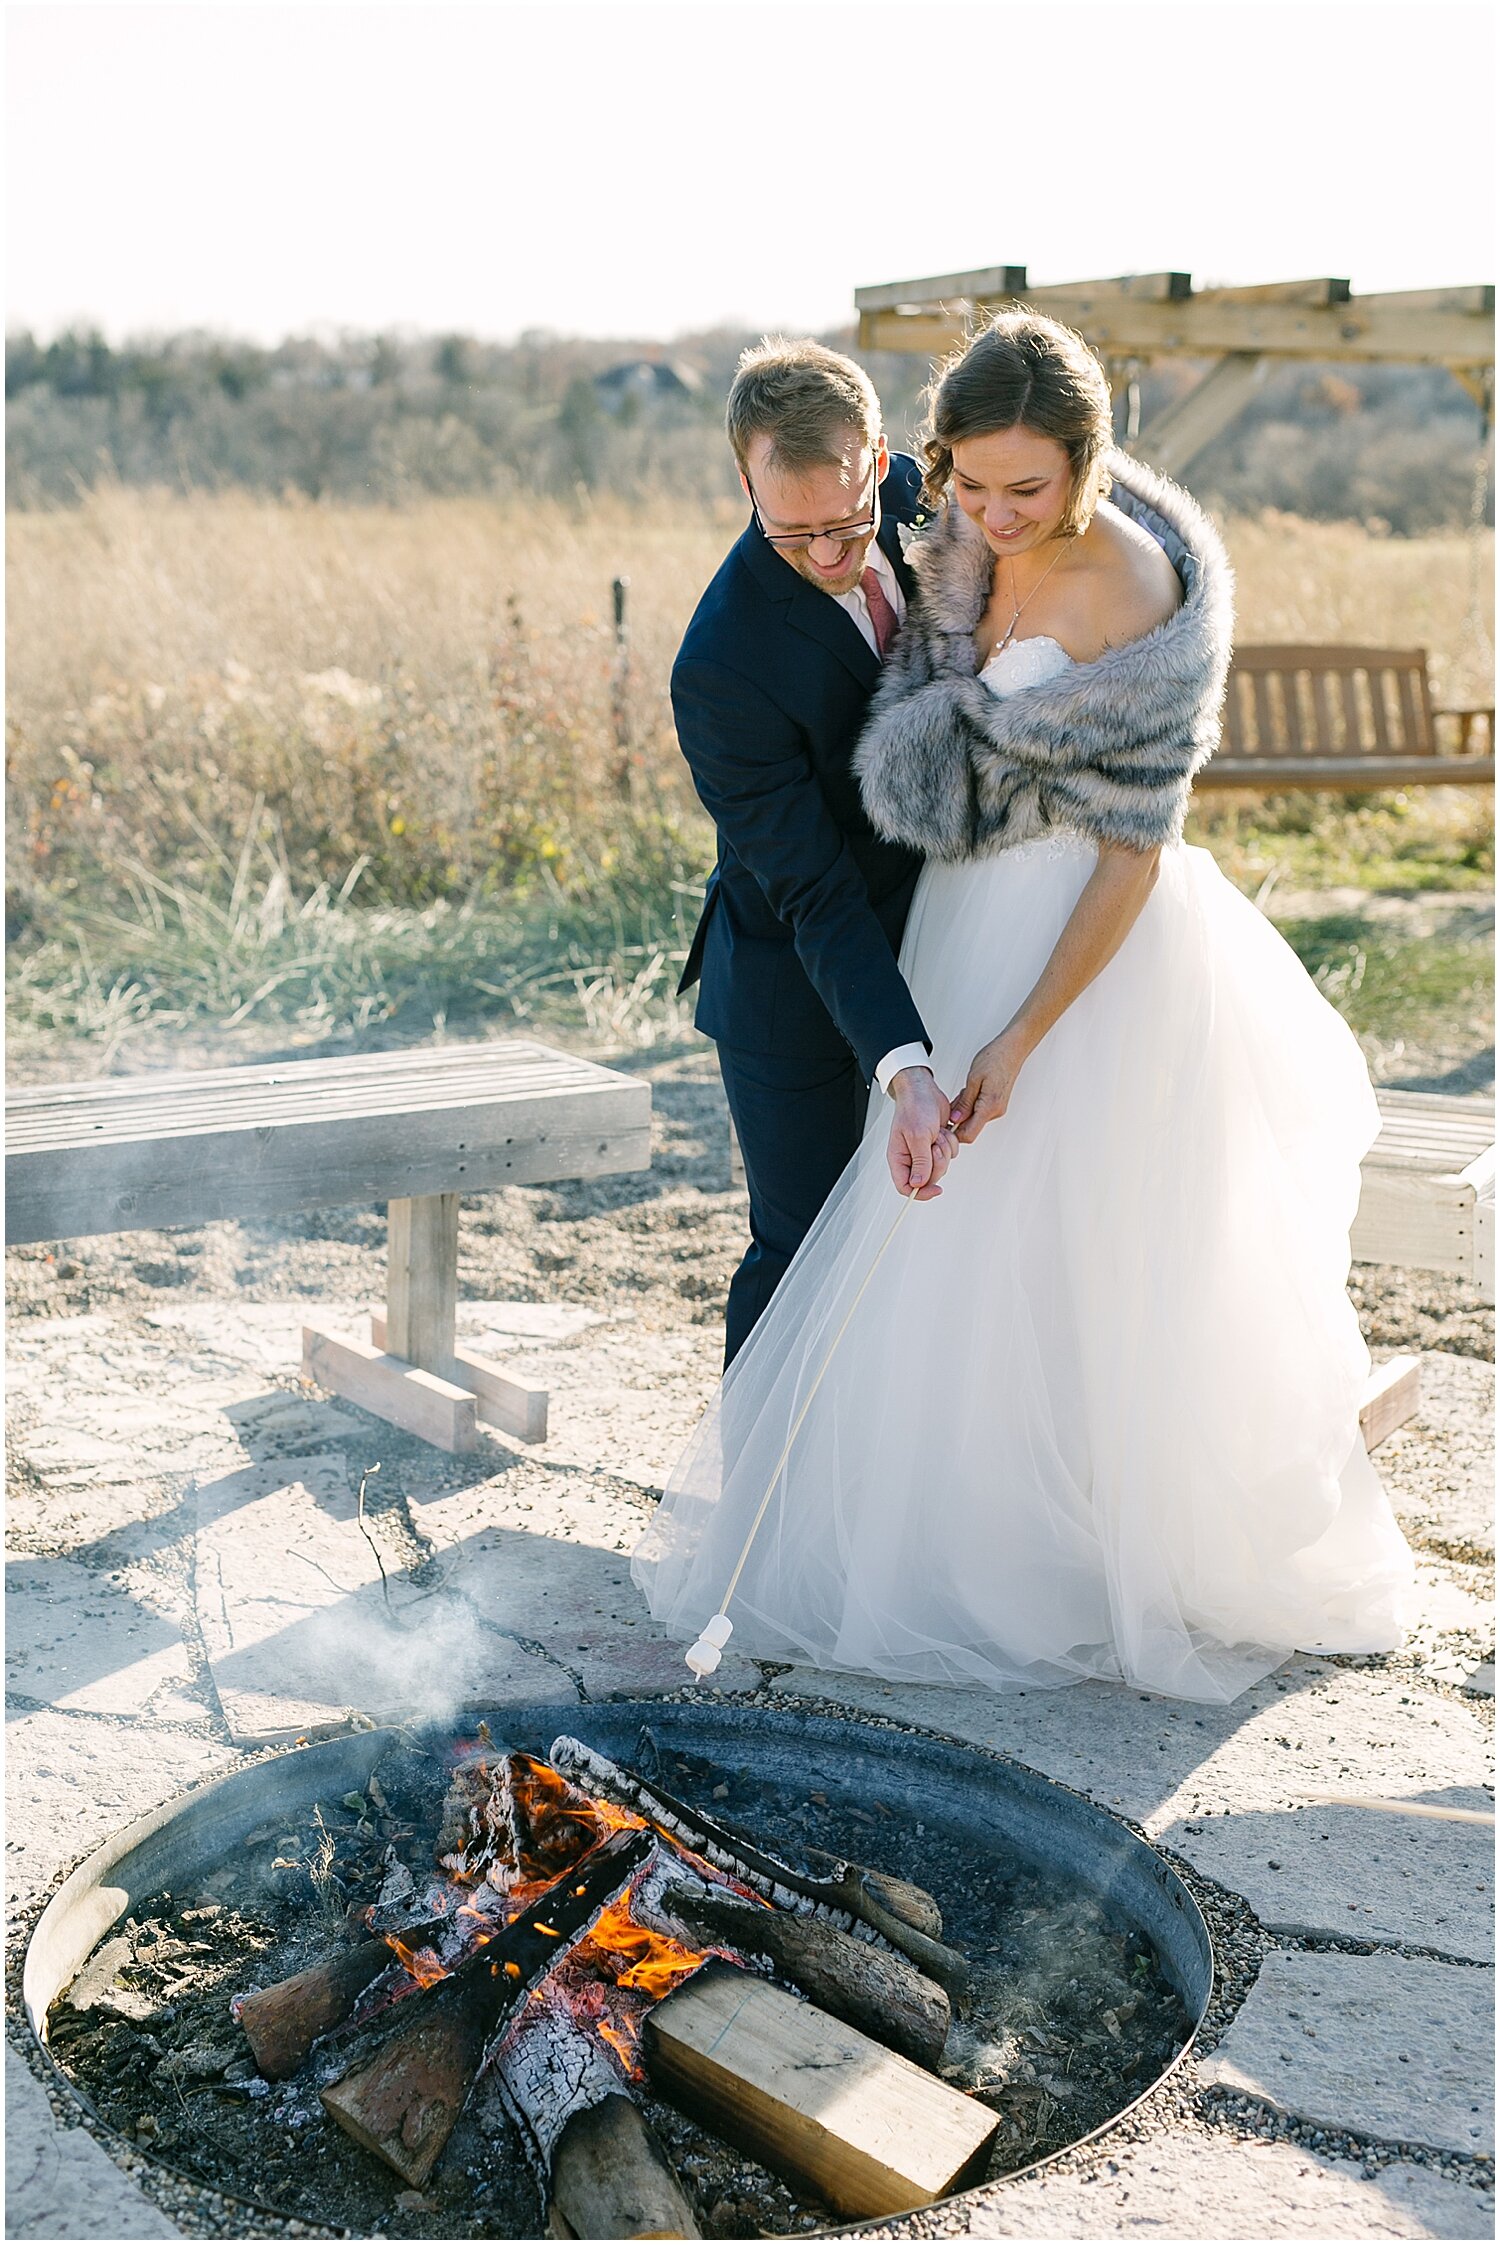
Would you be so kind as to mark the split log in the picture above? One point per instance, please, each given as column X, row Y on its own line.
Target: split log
column 813, row 2099
column 605, row 2172
column 844, row 1895
column 402, row 2104
column 283, row 2022
column 867, row 1987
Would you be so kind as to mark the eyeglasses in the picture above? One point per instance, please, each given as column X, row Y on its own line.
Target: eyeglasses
column 798, row 541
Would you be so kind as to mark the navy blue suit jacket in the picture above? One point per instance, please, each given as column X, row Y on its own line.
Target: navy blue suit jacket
column 795, row 952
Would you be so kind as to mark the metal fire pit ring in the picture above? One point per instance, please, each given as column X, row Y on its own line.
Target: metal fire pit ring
column 1032, row 1818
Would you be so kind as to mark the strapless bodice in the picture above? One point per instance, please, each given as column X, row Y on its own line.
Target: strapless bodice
column 1025, row 662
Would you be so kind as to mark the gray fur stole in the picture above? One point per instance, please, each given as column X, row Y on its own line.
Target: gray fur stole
column 1108, row 749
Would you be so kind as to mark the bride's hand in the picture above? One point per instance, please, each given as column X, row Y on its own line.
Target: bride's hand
column 992, row 1079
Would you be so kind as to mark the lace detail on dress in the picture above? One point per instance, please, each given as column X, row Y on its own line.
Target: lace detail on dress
column 1025, row 662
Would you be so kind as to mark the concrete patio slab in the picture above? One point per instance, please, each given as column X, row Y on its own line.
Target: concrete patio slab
column 1221, row 2186
column 58, row 2181
column 579, row 1601
column 1440, row 1467
column 72, row 1780
column 1395, row 2047
column 1229, row 1788
column 301, row 1631
column 74, row 1642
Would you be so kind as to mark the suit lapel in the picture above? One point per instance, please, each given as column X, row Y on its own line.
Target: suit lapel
column 815, row 614
column 818, row 616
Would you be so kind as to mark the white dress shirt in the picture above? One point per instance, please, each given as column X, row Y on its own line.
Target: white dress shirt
column 856, row 605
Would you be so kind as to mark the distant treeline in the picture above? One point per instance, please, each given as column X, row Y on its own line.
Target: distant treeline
column 389, row 417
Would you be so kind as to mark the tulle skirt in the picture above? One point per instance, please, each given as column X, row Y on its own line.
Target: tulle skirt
column 1096, row 1412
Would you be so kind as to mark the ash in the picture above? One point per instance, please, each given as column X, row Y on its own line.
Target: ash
column 1070, row 2020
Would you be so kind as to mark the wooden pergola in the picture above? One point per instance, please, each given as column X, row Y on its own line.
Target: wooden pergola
column 1148, row 316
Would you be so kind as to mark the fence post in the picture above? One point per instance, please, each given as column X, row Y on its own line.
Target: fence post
column 619, row 691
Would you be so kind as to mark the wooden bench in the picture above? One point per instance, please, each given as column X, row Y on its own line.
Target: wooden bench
column 1344, row 717
column 414, row 1129
column 1427, row 1199
column 1427, row 1202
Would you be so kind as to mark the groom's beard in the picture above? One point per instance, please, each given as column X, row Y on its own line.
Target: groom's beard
column 847, row 578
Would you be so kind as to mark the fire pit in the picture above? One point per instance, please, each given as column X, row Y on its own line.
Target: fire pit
column 660, row 1968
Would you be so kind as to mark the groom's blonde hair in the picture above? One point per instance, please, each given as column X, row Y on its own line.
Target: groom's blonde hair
column 805, row 398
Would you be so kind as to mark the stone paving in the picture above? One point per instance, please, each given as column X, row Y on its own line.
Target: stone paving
column 162, row 1458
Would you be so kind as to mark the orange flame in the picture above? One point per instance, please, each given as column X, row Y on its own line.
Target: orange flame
column 422, row 1965
column 620, row 1949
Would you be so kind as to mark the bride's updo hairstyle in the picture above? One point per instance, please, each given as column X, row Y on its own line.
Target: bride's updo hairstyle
column 1024, row 371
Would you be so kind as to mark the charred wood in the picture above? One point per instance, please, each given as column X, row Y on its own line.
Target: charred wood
column 402, row 2104
column 283, row 2022
column 844, row 1894
column 605, row 2172
column 868, row 1987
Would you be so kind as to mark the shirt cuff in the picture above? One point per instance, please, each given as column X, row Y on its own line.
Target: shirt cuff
column 903, row 1056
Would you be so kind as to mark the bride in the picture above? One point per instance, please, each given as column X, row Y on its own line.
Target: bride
column 1093, row 1407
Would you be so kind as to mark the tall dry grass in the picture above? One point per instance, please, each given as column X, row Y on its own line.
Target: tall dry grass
column 232, row 718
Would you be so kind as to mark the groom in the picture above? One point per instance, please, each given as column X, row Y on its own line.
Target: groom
column 795, row 953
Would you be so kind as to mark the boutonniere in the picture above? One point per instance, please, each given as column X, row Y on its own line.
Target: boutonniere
column 910, row 533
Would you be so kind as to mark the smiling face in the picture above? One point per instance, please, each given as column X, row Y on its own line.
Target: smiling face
column 822, row 499
column 1015, row 484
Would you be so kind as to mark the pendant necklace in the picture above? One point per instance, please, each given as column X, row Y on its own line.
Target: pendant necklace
column 1010, row 632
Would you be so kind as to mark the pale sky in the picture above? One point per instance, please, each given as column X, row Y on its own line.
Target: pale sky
column 644, row 170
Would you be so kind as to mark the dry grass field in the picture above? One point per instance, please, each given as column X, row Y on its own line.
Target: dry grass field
column 323, row 762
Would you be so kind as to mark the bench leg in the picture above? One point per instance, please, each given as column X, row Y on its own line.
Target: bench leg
column 411, row 1370
column 1393, row 1394
column 421, row 1287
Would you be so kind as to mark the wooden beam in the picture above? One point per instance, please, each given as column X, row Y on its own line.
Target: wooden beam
column 510, row 1405
column 1176, row 437
column 1270, row 774
column 1207, row 326
column 1312, row 293
column 438, row 1410
column 812, row 2098
column 1475, row 301
column 985, row 282
column 1126, row 288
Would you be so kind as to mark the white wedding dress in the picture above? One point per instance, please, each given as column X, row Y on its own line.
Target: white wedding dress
column 1096, row 1413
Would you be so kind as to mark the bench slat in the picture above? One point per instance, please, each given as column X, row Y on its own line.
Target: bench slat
column 301, row 1138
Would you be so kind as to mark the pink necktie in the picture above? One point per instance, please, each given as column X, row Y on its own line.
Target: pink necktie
column 882, row 614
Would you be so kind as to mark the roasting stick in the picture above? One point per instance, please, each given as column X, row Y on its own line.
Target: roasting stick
column 704, row 1656
column 1405, row 1808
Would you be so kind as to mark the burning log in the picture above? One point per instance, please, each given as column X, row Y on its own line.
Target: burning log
column 611, row 2178
column 605, row 2172
column 283, row 2022
column 509, row 1815
column 849, row 1895
column 402, row 2104
column 867, row 1987
column 813, row 2099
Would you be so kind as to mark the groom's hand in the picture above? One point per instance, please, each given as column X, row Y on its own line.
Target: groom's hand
column 921, row 1146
